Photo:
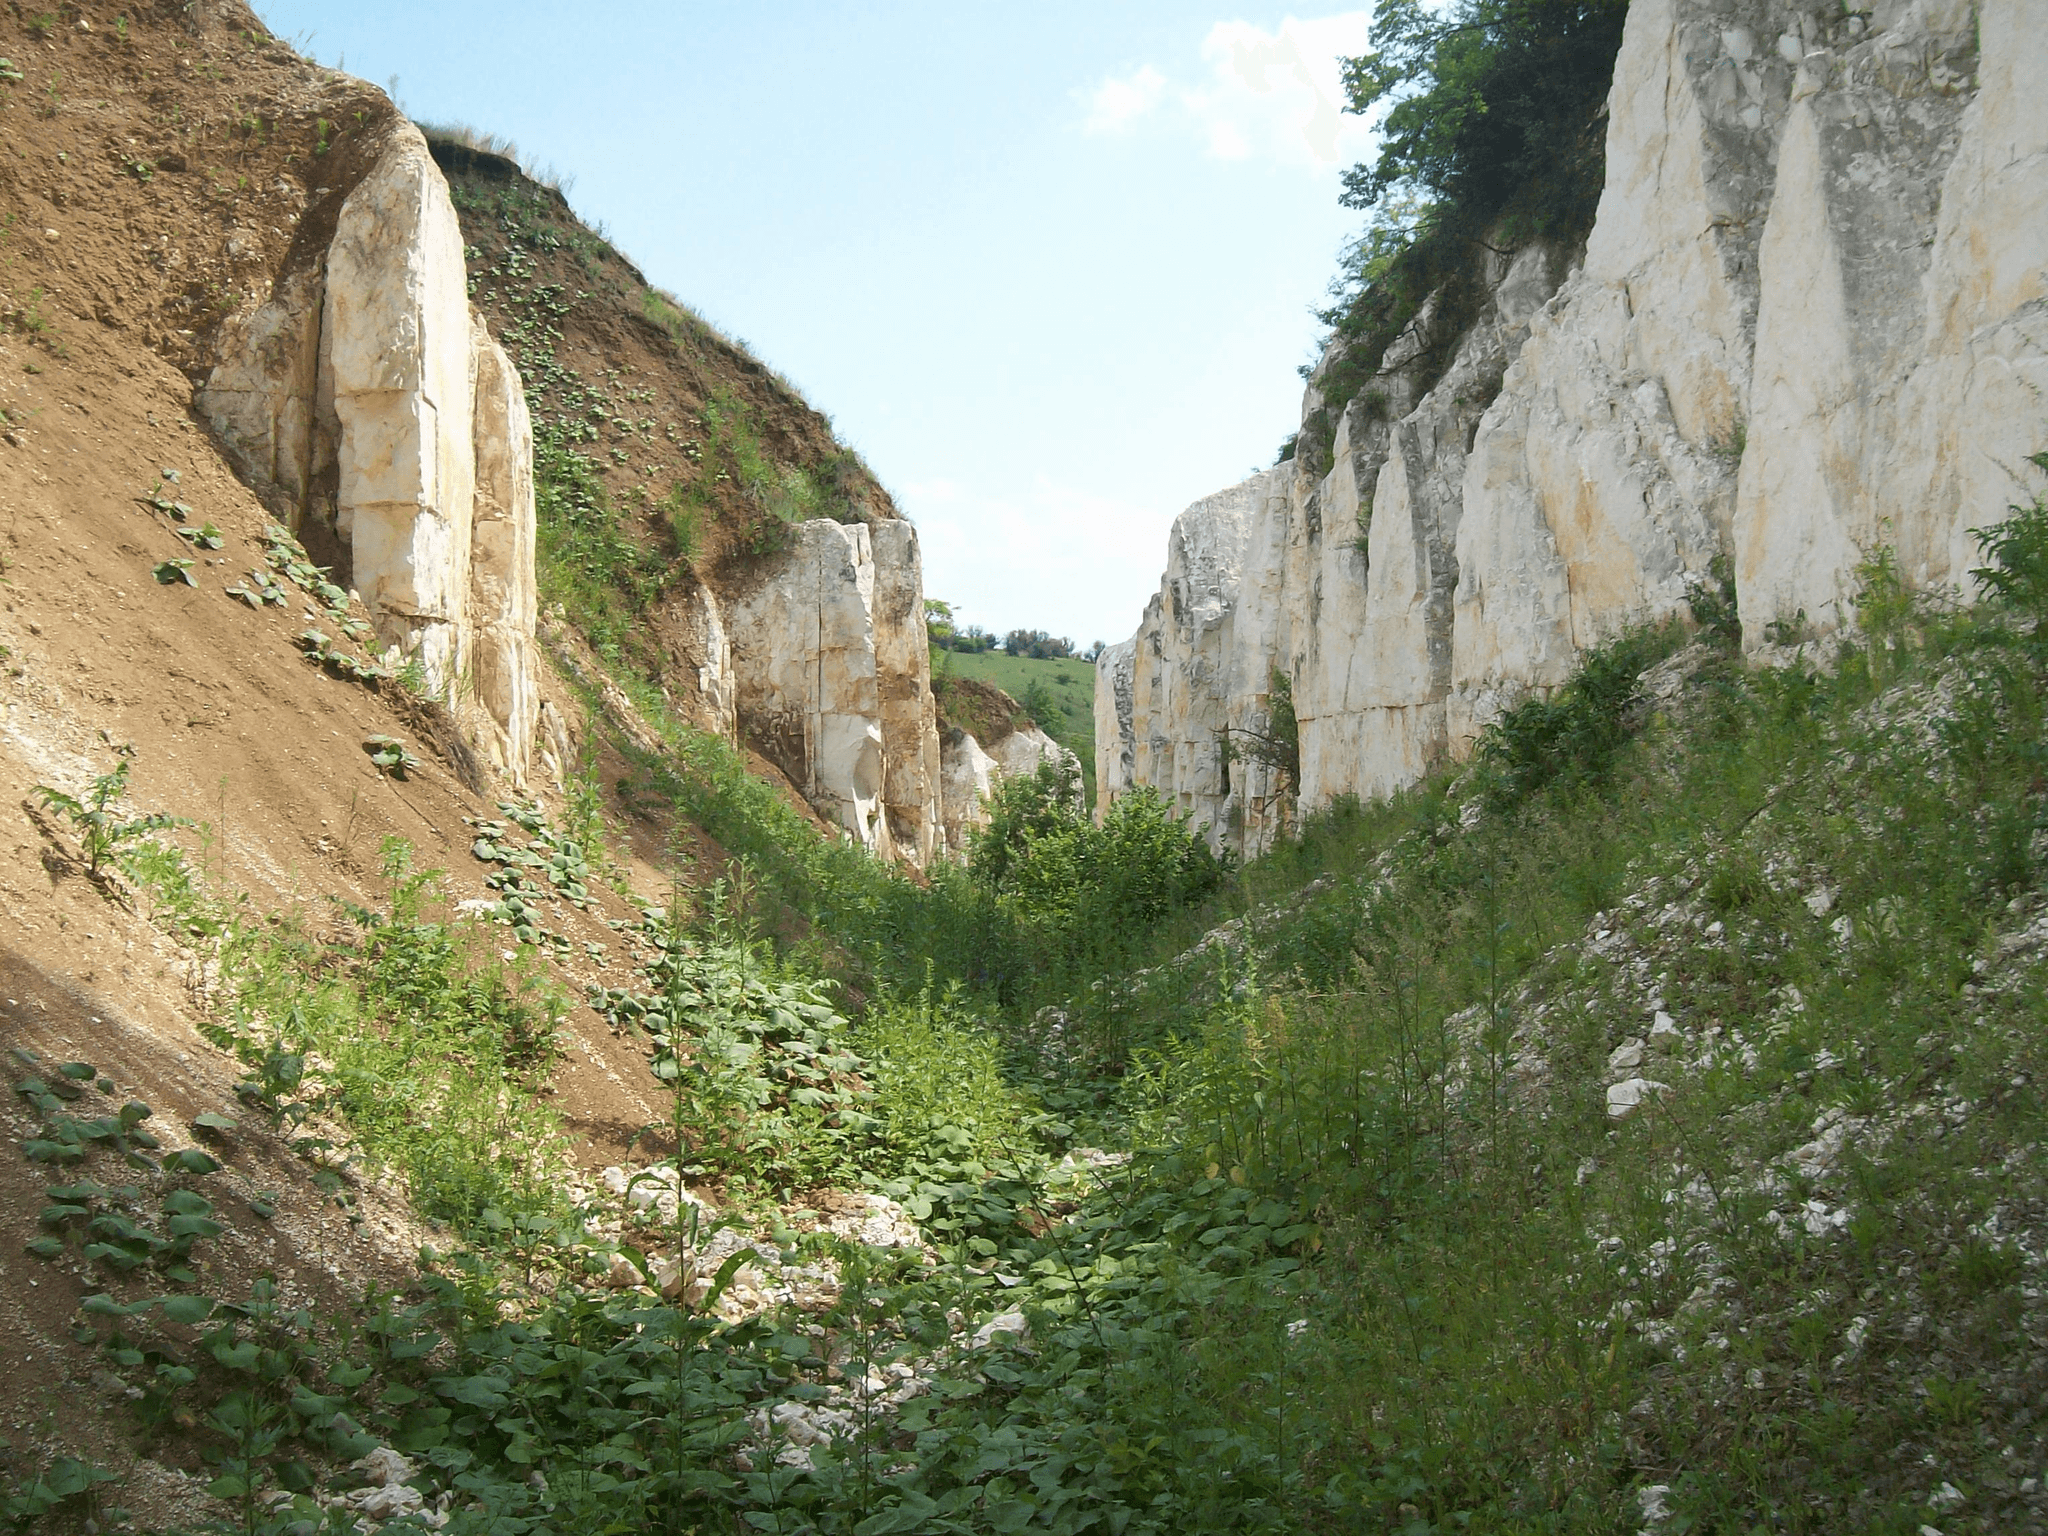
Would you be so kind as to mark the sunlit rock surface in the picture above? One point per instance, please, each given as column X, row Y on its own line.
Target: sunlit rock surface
column 832, row 681
column 1810, row 322
column 368, row 402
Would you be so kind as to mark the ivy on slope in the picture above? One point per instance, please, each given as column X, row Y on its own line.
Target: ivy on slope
column 639, row 478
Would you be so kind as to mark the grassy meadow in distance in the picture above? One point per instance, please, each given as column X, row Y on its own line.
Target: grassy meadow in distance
column 1069, row 681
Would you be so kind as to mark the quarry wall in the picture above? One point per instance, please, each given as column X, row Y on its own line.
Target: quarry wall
column 1810, row 322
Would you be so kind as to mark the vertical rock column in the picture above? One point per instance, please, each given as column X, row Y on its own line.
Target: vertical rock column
column 503, row 600
column 1115, row 748
column 1181, row 666
column 909, row 713
column 1901, row 373
column 367, row 404
column 396, row 362
column 261, row 399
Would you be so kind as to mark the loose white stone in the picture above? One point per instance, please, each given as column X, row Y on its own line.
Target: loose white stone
column 1011, row 1325
column 1624, row 1098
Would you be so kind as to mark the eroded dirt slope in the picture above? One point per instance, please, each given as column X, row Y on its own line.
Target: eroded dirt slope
column 155, row 172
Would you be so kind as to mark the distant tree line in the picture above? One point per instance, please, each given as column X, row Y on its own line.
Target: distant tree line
column 1034, row 643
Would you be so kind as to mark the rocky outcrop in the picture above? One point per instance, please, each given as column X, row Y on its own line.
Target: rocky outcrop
column 971, row 773
column 1811, row 320
column 908, row 714
column 1116, row 747
column 831, row 675
column 367, row 403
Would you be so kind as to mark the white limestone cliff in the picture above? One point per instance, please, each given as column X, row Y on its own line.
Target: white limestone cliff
column 1810, row 321
column 366, row 399
column 831, row 671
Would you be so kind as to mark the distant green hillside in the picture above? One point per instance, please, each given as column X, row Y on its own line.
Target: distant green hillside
column 1068, row 683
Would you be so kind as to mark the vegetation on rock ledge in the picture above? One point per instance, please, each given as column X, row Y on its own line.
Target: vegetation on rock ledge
column 1492, row 136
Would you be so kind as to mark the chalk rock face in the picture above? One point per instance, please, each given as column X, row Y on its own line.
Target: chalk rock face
column 366, row 400
column 1902, row 328
column 1116, row 748
column 1810, row 322
column 705, row 646
column 1025, row 750
column 971, row 773
column 1181, row 667
column 503, row 600
column 967, row 776
column 832, row 681
column 909, row 713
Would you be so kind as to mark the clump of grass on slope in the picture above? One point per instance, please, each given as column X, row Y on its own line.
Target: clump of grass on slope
column 401, row 1037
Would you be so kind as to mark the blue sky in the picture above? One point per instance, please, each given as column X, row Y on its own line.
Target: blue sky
column 1050, row 268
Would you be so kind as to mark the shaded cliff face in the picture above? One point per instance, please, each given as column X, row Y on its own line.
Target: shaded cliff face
column 1811, row 320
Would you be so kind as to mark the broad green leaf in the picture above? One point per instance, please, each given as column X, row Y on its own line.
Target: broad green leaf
column 188, row 1309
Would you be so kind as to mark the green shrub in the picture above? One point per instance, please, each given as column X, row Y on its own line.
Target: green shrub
column 1092, row 891
column 103, row 833
column 940, row 1088
column 430, row 1048
column 1574, row 737
column 2016, row 576
column 1713, row 605
column 1493, row 135
column 1278, row 746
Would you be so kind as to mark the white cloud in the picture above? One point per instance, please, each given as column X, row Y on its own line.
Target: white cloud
column 1116, row 103
column 1269, row 95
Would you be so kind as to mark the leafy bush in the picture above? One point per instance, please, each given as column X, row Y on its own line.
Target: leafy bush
column 1037, row 644
column 766, row 1087
column 1712, row 603
column 1574, row 737
column 103, row 833
column 409, row 1027
column 2016, row 576
column 1091, row 890
column 939, row 1082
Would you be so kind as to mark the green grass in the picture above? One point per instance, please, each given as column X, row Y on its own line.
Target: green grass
column 1069, row 683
